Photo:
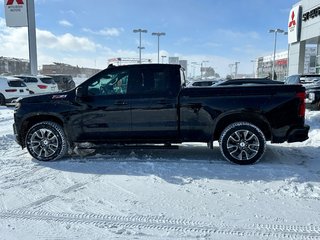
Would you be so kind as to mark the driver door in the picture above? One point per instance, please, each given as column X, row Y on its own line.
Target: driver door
column 107, row 114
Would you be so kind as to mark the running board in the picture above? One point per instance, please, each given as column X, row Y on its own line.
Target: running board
column 128, row 146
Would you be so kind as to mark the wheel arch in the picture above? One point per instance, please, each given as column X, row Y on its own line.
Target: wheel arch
column 32, row 120
column 2, row 99
column 256, row 119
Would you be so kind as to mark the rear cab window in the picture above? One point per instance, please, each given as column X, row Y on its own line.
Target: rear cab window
column 154, row 81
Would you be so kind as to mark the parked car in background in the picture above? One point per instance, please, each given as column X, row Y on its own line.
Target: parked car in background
column 64, row 81
column 248, row 82
column 312, row 84
column 39, row 84
column 12, row 88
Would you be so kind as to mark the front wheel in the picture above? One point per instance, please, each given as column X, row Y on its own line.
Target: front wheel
column 46, row 141
column 242, row 143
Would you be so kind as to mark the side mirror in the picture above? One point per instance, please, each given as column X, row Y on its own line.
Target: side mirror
column 79, row 92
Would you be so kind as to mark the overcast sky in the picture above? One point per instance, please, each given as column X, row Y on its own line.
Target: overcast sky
column 88, row 33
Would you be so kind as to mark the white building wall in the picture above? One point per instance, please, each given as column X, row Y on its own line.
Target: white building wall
column 310, row 34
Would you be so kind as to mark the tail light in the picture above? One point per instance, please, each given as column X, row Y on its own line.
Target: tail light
column 11, row 90
column 42, row 86
column 302, row 104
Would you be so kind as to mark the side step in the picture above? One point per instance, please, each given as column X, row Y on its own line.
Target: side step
column 84, row 146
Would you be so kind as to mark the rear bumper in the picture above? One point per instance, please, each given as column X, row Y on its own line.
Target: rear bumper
column 290, row 134
column 298, row 134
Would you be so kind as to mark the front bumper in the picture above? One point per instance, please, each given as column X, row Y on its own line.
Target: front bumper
column 17, row 136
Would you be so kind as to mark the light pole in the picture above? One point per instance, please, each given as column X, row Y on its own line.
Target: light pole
column 275, row 31
column 163, row 57
column 253, row 63
column 236, row 69
column 140, row 48
column 158, row 34
column 201, row 67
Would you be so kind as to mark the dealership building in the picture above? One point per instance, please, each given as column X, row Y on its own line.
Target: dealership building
column 264, row 64
column 303, row 31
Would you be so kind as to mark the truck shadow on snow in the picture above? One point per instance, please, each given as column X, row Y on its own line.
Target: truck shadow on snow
column 179, row 166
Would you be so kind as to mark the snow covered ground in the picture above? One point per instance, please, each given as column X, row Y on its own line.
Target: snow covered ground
column 190, row 193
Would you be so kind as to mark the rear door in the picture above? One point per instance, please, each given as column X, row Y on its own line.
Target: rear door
column 153, row 91
column 32, row 84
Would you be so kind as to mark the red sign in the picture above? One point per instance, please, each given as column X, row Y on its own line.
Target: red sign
column 282, row 62
column 10, row 2
column 293, row 21
column 294, row 24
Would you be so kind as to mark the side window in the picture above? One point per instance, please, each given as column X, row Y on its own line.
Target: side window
column 149, row 81
column 16, row 83
column 30, row 80
column 109, row 83
column 293, row 80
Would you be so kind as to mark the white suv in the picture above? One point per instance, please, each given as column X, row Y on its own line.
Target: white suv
column 39, row 84
column 12, row 88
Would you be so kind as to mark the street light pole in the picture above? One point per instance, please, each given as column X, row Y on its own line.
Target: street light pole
column 162, row 57
column 158, row 34
column 253, row 63
column 140, row 48
column 236, row 69
column 275, row 31
column 201, row 67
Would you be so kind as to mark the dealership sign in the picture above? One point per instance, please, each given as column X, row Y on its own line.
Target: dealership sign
column 294, row 24
column 311, row 14
column 16, row 13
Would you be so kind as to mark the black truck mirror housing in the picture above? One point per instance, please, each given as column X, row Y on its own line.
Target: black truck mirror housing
column 79, row 92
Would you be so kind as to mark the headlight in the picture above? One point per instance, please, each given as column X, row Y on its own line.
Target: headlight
column 17, row 103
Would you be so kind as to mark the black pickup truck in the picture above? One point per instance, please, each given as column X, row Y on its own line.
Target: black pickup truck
column 149, row 103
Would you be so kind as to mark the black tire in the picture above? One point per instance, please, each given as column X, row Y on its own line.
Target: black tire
column 242, row 143
column 2, row 100
column 46, row 141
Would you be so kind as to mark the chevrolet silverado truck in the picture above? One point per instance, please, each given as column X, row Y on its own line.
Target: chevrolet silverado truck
column 149, row 104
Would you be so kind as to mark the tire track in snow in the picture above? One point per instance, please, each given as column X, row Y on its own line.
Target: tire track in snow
column 159, row 223
column 19, row 175
column 50, row 198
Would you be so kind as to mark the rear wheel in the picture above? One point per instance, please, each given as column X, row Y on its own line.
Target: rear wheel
column 242, row 143
column 46, row 141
